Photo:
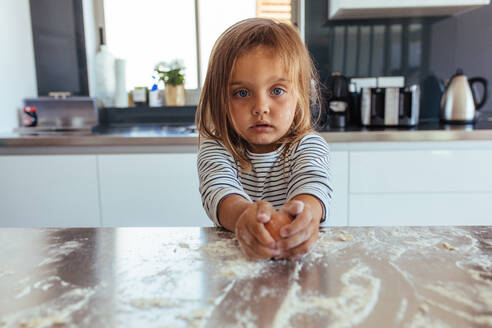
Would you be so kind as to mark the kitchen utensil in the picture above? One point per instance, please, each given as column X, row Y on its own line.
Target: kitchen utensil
column 459, row 102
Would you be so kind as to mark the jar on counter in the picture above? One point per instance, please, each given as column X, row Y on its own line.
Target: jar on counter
column 29, row 116
column 140, row 96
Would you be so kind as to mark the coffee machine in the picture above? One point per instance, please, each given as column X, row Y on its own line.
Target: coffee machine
column 337, row 102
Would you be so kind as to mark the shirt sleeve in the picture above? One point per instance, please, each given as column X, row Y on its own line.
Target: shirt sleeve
column 311, row 172
column 218, row 177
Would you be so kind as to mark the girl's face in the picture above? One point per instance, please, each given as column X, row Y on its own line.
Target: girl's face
column 263, row 103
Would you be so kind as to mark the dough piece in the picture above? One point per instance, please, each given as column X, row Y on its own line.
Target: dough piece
column 344, row 237
column 446, row 245
column 147, row 303
column 424, row 308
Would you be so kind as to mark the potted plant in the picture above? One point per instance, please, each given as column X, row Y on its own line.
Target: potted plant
column 172, row 75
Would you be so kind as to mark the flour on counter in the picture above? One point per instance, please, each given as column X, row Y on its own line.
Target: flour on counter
column 485, row 320
column 54, row 313
column 5, row 273
column 421, row 320
column 57, row 252
column 50, row 320
column 401, row 311
column 198, row 317
column 344, row 237
column 355, row 302
column 232, row 262
column 245, row 319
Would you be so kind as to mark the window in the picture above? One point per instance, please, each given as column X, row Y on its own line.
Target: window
column 145, row 32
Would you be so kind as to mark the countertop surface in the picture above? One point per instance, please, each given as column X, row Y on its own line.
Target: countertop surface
column 197, row 277
column 163, row 135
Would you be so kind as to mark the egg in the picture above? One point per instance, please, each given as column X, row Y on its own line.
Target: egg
column 277, row 221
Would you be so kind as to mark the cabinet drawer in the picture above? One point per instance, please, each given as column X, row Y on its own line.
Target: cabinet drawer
column 420, row 209
column 421, row 171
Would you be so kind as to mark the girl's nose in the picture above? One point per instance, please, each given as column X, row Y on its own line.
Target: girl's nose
column 261, row 110
column 261, row 107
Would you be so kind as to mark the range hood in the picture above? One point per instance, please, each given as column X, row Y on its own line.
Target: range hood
column 364, row 9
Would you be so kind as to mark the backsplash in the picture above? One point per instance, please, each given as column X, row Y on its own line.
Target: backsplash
column 388, row 47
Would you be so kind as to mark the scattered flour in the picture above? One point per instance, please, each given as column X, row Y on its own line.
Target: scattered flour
column 233, row 263
column 344, row 237
column 245, row 319
column 421, row 320
column 54, row 313
column 401, row 311
column 356, row 301
column 57, row 252
column 5, row 273
column 56, row 319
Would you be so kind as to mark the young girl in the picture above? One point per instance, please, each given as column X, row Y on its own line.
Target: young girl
column 260, row 154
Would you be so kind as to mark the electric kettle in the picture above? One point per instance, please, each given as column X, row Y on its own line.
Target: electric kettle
column 459, row 101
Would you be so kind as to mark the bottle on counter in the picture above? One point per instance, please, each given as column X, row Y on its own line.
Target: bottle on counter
column 105, row 77
column 29, row 116
column 155, row 98
column 121, row 96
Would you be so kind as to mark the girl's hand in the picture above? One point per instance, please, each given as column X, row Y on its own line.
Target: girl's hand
column 301, row 235
column 255, row 241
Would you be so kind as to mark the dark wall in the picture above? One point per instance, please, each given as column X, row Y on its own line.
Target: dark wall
column 424, row 50
column 464, row 41
column 59, row 46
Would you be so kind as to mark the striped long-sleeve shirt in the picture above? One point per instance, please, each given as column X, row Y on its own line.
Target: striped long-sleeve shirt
column 307, row 170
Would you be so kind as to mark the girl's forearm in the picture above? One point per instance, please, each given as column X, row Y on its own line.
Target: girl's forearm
column 230, row 208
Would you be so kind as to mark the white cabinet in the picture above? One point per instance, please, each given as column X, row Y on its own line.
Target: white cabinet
column 360, row 9
column 339, row 203
column 420, row 187
column 49, row 191
column 411, row 209
column 150, row 190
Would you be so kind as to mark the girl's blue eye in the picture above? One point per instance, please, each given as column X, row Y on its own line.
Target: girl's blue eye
column 241, row 93
column 278, row 91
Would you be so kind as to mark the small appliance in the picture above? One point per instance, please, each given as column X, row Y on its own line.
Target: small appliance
column 337, row 102
column 390, row 106
column 459, row 101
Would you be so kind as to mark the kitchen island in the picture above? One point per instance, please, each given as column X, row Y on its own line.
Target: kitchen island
column 197, row 277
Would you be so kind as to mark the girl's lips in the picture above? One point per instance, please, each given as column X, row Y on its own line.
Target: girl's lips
column 262, row 127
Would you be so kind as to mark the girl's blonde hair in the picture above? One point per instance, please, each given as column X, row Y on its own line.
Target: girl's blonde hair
column 213, row 118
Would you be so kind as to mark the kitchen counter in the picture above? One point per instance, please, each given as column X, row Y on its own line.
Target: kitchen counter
column 164, row 136
column 181, row 277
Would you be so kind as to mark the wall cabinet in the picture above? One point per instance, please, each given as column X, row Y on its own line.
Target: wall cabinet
column 362, row 9
column 49, row 191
